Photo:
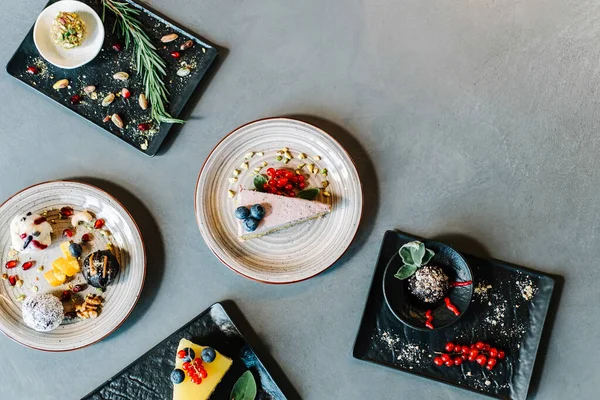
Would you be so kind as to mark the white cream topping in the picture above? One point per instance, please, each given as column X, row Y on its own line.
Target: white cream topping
column 24, row 230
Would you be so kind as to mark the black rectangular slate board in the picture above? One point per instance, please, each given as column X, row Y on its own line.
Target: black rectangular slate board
column 501, row 316
column 148, row 377
column 99, row 72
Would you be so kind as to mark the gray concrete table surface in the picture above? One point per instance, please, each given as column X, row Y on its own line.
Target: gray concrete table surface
column 476, row 118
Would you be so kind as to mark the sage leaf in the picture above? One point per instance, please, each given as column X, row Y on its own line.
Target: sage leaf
column 405, row 271
column 244, row 388
column 259, row 182
column 406, row 255
column 419, row 253
column 308, row 194
column 428, row 256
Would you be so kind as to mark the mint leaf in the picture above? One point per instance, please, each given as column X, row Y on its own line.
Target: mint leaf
column 259, row 182
column 244, row 388
column 308, row 194
column 428, row 256
column 405, row 271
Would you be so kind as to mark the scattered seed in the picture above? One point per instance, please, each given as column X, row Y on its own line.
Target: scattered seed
column 183, row 71
column 231, row 194
column 249, row 155
column 278, row 158
column 116, row 119
column 34, row 289
column 287, row 155
column 203, row 50
column 244, row 165
column 317, row 158
column 233, row 180
column 89, row 89
column 41, row 268
column 63, row 83
column 302, row 156
column 325, row 184
column 236, row 172
column 264, row 163
column 186, row 45
column 142, row 101
column 4, row 277
column 108, row 99
column 260, row 154
column 169, row 38
column 285, row 149
column 315, row 170
column 121, row 76
column 326, row 194
column 20, row 283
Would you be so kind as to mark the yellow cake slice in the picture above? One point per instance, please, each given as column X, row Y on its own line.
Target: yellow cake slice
column 215, row 370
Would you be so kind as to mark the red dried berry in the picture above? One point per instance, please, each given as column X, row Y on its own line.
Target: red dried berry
column 39, row 220
column 117, row 47
column 99, row 223
column 175, row 54
column 125, row 93
column 78, row 288
column 66, row 211
column 75, row 99
column 12, row 280
column 11, row 264
column 438, row 361
column 144, row 126
column 27, row 265
column 86, row 237
column 66, row 295
column 32, row 70
column 68, row 233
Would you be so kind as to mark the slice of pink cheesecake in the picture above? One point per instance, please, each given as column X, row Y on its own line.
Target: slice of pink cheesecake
column 280, row 212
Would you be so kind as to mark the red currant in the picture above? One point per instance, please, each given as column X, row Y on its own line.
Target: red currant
column 301, row 185
column 266, row 186
column 289, row 174
column 458, row 361
column 445, row 357
column 281, row 182
column 449, row 363
column 449, row 347
column 438, row 361
column 288, row 187
column 175, row 54
column 481, row 360
column 491, row 363
column 301, row 178
column 182, row 354
column 270, row 172
column 292, row 194
column 465, row 350
column 203, row 373
column 464, row 357
column 501, row 355
column 493, row 353
column 486, row 346
column 279, row 173
column 479, row 345
column 473, row 353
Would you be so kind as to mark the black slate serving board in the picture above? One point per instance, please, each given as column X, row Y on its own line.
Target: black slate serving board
column 99, row 72
column 148, row 377
column 500, row 315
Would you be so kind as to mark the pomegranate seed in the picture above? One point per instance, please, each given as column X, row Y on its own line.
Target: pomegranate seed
column 32, row 70
column 27, row 265
column 125, row 93
column 99, row 223
column 11, row 264
column 75, row 99
column 79, row 288
column 66, row 295
column 117, row 47
column 12, row 280
column 39, row 220
column 86, row 237
column 39, row 245
column 175, row 54
column 68, row 233
column 144, row 126
column 23, row 235
column 66, row 211
column 438, row 361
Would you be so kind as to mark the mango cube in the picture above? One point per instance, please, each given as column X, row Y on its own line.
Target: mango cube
column 55, row 278
column 67, row 267
column 64, row 246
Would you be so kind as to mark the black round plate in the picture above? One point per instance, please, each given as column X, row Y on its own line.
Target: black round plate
column 410, row 310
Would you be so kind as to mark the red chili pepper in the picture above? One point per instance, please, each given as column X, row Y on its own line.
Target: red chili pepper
column 458, row 284
column 451, row 306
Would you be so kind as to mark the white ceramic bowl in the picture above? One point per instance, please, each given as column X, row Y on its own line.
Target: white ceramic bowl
column 78, row 56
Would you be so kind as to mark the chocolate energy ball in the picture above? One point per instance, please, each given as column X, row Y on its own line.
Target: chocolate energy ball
column 429, row 284
column 100, row 268
column 42, row 312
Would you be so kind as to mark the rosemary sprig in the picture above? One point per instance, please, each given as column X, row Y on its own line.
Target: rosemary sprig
column 147, row 61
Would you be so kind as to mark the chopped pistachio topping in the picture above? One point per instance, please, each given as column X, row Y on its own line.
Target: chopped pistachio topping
column 244, row 165
column 264, row 163
column 302, row 156
column 249, row 155
column 20, row 283
column 233, row 179
column 278, row 158
column 315, row 170
column 301, row 166
column 236, row 172
column 260, row 154
column 326, row 194
column 310, row 167
column 257, row 169
column 298, row 172
column 285, row 149
column 317, row 158
column 279, row 153
column 34, row 288
column 231, row 194
column 4, row 276
column 287, row 155
column 325, row 184
column 21, row 297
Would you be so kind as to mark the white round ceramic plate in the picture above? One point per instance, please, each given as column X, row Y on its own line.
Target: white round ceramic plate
column 69, row 58
column 296, row 253
column 120, row 296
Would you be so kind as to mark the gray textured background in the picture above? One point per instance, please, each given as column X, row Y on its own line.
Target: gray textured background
column 473, row 117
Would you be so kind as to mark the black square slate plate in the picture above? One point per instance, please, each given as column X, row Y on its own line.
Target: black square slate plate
column 99, row 73
column 508, row 310
column 148, row 377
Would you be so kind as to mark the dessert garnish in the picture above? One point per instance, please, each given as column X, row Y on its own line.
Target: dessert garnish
column 426, row 282
column 81, row 216
column 428, row 319
column 90, row 308
column 460, row 284
column 250, row 217
column 66, row 266
column 100, row 268
column 198, row 371
column 244, row 388
column 451, row 306
column 68, row 30
column 42, row 312
column 30, row 232
column 481, row 353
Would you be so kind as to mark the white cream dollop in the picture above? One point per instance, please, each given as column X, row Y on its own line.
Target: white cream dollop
column 25, row 229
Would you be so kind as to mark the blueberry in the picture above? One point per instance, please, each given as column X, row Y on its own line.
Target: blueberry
column 242, row 213
column 257, row 212
column 75, row 250
column 188, row 355
column 250, row 224
column 177, row 376
column 208, row 354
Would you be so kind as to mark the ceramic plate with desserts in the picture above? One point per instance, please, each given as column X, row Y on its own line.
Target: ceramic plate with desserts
column 72, row 262
column 278, row 200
